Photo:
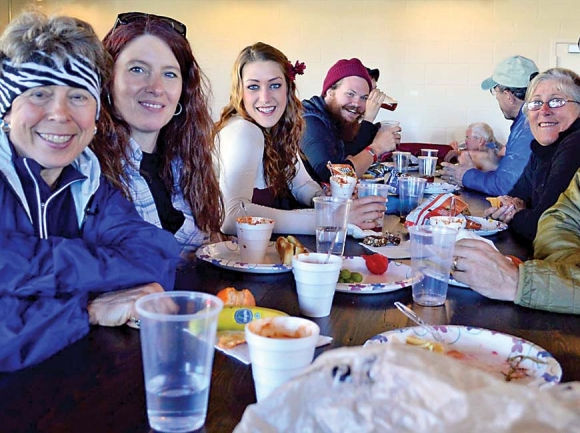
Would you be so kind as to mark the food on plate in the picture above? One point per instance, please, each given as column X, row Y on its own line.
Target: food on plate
column 433, row 346
column 472, row 225
column 454, row 222
column 509, row 368
column 287, row 247
column 376, row 263
column 235, row 318
column 494, row 201
column 515, row 260
column 230, row 339
column 382, row 240
column 347, row 276
column 232, row 297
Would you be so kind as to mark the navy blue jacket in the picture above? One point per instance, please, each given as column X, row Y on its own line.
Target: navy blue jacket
column 47, row 280
column 547, row 175
column 321, row 141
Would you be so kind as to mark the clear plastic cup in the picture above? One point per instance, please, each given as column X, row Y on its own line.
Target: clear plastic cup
column 431, row 257
column 178, row 332
column 331, row 215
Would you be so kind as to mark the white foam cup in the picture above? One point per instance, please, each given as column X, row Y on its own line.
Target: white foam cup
column 316, row 282
column 253, row 238
column 280, row 348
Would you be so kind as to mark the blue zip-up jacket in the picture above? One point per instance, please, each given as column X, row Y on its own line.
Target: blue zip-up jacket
column 511, row 166
column 47, row 280
column 321, row 141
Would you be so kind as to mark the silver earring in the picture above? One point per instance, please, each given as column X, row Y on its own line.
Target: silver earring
column 109, row 99
column 4, row 126
column 179, row 109
column 95, row 132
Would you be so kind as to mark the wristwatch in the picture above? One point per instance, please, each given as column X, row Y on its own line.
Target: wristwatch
column 373, row 153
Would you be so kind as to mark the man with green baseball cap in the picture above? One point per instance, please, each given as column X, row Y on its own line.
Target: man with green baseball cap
column 508, row 84
column 515, row 71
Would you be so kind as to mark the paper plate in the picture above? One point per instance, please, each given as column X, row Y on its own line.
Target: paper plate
column 227, row 255
column 488, row 226
column 398, row 275
column 487, row 350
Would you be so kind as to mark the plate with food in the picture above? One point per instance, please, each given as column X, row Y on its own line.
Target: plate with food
column 485, row 226
column 357, row 275
column 440, row 188
column 511, row 358
column 278, row 256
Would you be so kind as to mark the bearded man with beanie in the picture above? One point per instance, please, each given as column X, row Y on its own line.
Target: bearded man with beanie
column 333, row 119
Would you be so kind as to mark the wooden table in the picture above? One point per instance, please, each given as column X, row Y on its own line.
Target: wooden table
column 96, row 385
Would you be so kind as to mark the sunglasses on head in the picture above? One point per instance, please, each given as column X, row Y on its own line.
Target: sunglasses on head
column 129, row 17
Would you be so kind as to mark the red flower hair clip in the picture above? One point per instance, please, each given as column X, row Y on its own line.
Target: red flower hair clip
column 296, row 69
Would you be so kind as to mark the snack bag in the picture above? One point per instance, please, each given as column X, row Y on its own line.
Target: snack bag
column 392, row 179
column 341, row 169
column 436, row 205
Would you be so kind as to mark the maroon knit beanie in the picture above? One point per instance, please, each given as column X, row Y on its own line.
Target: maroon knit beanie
column 345, row 68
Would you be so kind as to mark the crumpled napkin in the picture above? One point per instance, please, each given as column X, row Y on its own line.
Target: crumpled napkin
column 392, row 388
column 358, row 233
column 242, row 353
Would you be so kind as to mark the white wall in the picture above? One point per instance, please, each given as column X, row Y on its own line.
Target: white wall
column 433, row 54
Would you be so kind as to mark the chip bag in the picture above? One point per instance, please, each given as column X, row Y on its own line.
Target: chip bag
column 436, row 205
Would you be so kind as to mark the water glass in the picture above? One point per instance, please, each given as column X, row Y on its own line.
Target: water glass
column 431, row 257
column 410, row 194
column 331, row 215
column 178, row 331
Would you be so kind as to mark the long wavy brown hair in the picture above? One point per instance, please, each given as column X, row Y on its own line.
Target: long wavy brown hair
column 281, row 142
column 188, row 136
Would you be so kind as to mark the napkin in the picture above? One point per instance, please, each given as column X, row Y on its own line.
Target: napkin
column 242, row 353
column 358, row 233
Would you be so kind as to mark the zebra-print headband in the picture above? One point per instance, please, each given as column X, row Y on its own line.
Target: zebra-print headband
column 46, row 70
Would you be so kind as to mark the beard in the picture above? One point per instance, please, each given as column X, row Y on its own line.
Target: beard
column 347, row 129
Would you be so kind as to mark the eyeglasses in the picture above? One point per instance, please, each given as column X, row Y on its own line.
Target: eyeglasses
column 129, row 17
column 552, row 103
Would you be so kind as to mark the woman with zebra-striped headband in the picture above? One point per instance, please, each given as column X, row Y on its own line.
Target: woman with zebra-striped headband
column 67, row 237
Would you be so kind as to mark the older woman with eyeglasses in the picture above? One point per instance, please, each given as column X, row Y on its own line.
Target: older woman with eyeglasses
column 552, row 107
column 155, row 139
column 73, row 251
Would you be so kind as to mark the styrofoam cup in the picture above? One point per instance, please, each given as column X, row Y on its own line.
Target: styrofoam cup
column 316, row 282
column 280, row 348
column 253, row 238
column 342, row 186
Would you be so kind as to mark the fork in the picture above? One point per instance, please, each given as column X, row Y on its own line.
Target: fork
column 415, row 318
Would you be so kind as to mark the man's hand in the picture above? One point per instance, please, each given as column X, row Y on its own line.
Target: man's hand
column 485, row 270
column 453, row 173
column 118, row 308
column 485, row 159
column 508, row 208
column 376, row 98
column 364, row 212
column 386, row 140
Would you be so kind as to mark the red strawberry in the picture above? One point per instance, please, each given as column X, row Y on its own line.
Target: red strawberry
column 376, row 263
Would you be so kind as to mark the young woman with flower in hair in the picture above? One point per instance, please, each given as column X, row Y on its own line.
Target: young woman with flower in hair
column 155, row 141
column 258, row 137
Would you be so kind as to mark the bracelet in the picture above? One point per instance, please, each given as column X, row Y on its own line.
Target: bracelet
column 373, row 153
